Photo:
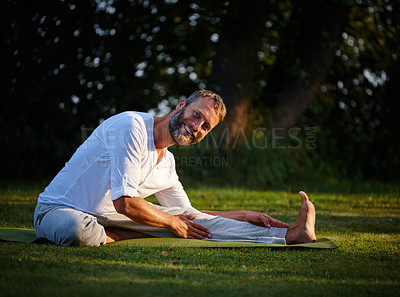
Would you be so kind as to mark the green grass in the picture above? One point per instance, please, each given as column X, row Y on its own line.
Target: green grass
column 365, row 226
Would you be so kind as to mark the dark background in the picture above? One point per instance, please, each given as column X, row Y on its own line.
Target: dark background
column 311, row 86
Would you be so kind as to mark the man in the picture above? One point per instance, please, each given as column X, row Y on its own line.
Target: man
column 97, row 198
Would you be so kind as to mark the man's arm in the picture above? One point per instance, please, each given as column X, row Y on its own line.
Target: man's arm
column 140, row 211
column 256, row 218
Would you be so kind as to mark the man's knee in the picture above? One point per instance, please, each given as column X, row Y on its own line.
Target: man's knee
column 68, row 227
column 83, row 232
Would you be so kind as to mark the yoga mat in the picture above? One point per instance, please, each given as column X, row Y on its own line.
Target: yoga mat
column 18, row 235
column 322, row 243
column 29, row 236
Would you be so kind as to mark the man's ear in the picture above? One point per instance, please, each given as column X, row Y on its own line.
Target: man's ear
column 181, row 104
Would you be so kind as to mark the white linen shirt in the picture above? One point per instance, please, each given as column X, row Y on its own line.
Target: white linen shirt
column 118, row 159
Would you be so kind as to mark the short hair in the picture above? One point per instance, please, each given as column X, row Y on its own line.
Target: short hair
column 219, row 105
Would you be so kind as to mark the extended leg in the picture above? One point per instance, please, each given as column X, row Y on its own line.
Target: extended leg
column 302, row 231
column 223, row 229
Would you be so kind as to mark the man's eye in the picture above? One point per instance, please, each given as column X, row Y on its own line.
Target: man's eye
column 196, row 114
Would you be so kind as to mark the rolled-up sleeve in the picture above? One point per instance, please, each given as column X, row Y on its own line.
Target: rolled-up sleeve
column 124, row 143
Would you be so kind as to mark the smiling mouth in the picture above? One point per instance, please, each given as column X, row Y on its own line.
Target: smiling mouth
column 187, row 129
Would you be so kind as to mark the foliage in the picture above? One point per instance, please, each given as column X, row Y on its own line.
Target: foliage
column 70, row 64
column 356, row 108
column 364, row 226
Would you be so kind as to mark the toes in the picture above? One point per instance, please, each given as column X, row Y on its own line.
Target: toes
column 303, row 195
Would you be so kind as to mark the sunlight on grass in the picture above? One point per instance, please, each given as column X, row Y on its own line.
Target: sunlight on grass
column 364, row 226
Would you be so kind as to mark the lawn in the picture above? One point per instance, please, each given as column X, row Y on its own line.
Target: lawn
column 363, row 223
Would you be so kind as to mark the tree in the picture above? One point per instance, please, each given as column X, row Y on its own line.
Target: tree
column 307, row 48
column 357, row 106
column 235, row 63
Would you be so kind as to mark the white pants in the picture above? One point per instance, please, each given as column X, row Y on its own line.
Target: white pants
column 66, row 226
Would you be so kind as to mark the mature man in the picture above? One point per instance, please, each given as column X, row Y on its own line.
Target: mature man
column 97, row 198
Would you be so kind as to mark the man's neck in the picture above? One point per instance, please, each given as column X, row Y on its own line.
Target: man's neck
column 162, row 136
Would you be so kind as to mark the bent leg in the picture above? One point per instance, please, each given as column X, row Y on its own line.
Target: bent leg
column 66, row 226
column 116, row 234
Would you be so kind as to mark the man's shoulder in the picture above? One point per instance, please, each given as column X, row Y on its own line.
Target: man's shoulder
column 137, row 115
column 130, row 119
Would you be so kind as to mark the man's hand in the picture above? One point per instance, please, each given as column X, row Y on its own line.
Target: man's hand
column 140, row 211
column 183, row 226
column 261, row 219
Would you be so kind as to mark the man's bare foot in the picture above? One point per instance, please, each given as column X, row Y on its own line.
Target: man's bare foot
column 303, row 230
column 115, row 234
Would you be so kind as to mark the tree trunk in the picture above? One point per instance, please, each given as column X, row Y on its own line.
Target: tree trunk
column 304, row 58
column 235, row 62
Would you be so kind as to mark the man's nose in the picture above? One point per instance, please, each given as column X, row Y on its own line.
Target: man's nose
column 197, row 125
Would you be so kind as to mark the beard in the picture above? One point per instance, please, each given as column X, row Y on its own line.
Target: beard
column 174, row 125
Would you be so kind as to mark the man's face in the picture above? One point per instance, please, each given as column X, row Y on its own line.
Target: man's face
column 190, row 124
